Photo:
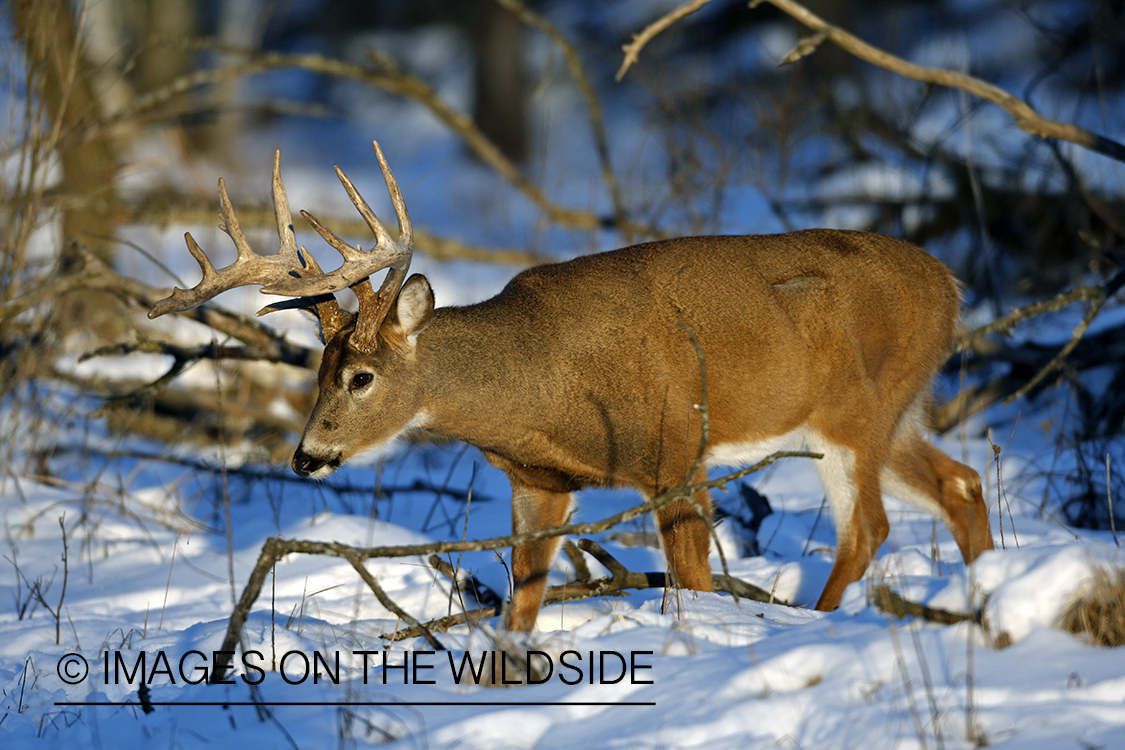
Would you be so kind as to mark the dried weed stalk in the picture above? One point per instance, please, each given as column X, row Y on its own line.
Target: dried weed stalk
column 1099, row 613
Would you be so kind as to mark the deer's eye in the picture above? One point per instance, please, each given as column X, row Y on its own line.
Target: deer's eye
column 361, row 380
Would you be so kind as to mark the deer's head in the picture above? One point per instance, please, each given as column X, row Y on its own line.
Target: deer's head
column 367, row 394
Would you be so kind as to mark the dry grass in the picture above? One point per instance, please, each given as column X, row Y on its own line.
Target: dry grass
column 1099, row 614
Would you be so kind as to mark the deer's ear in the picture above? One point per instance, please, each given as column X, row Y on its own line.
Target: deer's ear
column 413, row 309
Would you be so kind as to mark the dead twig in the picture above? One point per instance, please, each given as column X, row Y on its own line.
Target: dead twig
column 633, row 48
column 684, row 490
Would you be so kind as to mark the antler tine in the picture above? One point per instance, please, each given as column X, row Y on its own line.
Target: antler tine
column 201, row 258
column 249, row 267
column 231, row 226
column 342, row 247
column 382, row 236
column 405, row 229
column 325, row 307
column 285, row 233
column 359, row 265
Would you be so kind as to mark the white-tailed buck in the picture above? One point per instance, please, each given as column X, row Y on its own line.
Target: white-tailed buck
column 582, row 374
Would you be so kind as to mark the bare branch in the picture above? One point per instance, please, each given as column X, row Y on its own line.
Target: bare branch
column 970, row 400
column 410, row 86
column 633, row 48
column 94, row 273
column 386, row 601
column 1008, row 387
column 704, row 427
column 578, row 560
column 1009, row 321
column 186, row 354
column 388, row 76
column 1026, row 117
column 1076, row 336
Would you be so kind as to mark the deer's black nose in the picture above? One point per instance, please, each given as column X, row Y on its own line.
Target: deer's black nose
column 305, row 464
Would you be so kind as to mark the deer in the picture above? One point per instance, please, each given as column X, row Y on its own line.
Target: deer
column 584, row 373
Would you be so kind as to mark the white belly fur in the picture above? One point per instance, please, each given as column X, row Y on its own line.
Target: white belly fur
column 836, row 469
column 738, row 455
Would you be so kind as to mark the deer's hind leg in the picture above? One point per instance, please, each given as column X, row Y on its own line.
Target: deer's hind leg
column 851, row 484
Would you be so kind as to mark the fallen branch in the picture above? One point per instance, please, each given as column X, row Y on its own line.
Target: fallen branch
column 890, row 603
column 578, row 560
column 386, row 601
column 276, row 548
column 621, row 579
column 465, row 581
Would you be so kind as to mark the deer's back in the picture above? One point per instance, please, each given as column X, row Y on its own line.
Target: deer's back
column 783, row 321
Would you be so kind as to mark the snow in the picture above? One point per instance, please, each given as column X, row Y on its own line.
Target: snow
column 708, row 671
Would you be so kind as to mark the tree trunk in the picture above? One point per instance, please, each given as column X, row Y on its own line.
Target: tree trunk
column 500, row 91
column 53, row 54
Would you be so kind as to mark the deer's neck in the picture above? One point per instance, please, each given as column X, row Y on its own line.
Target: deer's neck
column 474, row 378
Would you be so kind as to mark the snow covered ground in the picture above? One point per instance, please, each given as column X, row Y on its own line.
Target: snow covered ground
column 149, row 584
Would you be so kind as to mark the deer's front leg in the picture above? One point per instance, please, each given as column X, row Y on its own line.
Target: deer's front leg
column 533, row 509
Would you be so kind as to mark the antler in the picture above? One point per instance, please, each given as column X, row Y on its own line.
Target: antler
column 293, row 272
column 359, row 265
column 252, row 268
